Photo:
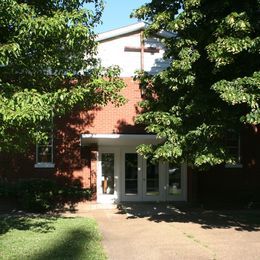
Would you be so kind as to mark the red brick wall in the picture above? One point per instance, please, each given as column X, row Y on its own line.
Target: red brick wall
column 231, row 186
column 111, row 119
column 73, row 162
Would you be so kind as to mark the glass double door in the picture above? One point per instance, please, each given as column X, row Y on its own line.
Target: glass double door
column 123, row 175
column 141, row 179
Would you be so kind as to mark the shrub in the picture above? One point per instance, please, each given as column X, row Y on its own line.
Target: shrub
column 37, row 194
column 41, row 195
column 7, row 189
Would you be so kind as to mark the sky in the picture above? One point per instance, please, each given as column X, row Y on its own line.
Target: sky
column 116, row 14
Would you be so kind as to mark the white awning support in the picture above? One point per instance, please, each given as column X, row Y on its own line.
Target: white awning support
column 119, row 139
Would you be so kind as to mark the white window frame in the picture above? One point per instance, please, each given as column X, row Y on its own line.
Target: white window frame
column 238, row 164
column 44, row 164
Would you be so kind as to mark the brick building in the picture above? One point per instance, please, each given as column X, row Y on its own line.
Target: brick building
column 98, row 147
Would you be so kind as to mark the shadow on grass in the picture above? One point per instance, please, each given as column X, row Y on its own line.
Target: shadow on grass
column 69, row 240
column 240, row 220
column 72, row 246
column 33, row 223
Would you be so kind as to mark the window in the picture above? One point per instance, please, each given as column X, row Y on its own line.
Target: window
column 175, row 187
column 131, row 174
column 108, row 172
column 44, row 154
column 152, row 178
column 233, row 146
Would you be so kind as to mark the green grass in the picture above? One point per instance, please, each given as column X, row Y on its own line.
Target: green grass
column 40, row 238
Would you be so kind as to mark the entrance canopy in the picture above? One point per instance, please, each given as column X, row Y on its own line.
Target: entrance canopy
column 118, row 139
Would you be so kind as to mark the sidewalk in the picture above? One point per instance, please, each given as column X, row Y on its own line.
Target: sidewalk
column 161, row 231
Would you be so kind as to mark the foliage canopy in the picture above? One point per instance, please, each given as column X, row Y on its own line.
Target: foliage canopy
column 48, row 66
column 212, row 85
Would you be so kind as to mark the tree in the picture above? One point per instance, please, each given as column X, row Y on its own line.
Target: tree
column 48, row 67
column 212, row 85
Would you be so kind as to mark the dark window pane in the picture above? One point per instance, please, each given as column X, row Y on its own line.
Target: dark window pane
column 174, row 179
column 47, row 142
column 232, row 144
column 44, row 157
column 107, row 164
column 45, row 150
column 131, row 173
column 152, row 178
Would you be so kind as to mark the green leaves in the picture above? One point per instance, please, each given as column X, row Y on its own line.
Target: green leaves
column 212, row 84
column 9, row 50
column 224, row 50
column 235, row 25
column 48, row 67
column 242, row 91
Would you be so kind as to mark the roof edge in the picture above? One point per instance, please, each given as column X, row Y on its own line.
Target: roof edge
column 129, row 29
column 121, row 31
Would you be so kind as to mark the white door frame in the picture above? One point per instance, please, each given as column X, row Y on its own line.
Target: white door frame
column 183, row 195
column 108, row 198
column 158, row 197
column 119, row 178
column 131, row 197
column 141, row 179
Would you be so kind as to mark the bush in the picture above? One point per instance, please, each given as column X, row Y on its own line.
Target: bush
column 41, row 195
column 37, row 194
column 7, row 189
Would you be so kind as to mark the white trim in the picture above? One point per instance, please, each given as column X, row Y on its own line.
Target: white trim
column 119, row 139
column 121, row 31
column 236, row 165
column 44, row 165
column 183, row 195
column 119, row 181
column 108, row 198
column 161, row 194
column 120, row 136
column 163, row 181
column 140, row 26
column 138, row 195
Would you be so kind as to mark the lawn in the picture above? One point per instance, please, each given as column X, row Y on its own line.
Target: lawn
column 48, row 237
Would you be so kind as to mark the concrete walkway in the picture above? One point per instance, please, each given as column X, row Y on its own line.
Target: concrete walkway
column 148, row 231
